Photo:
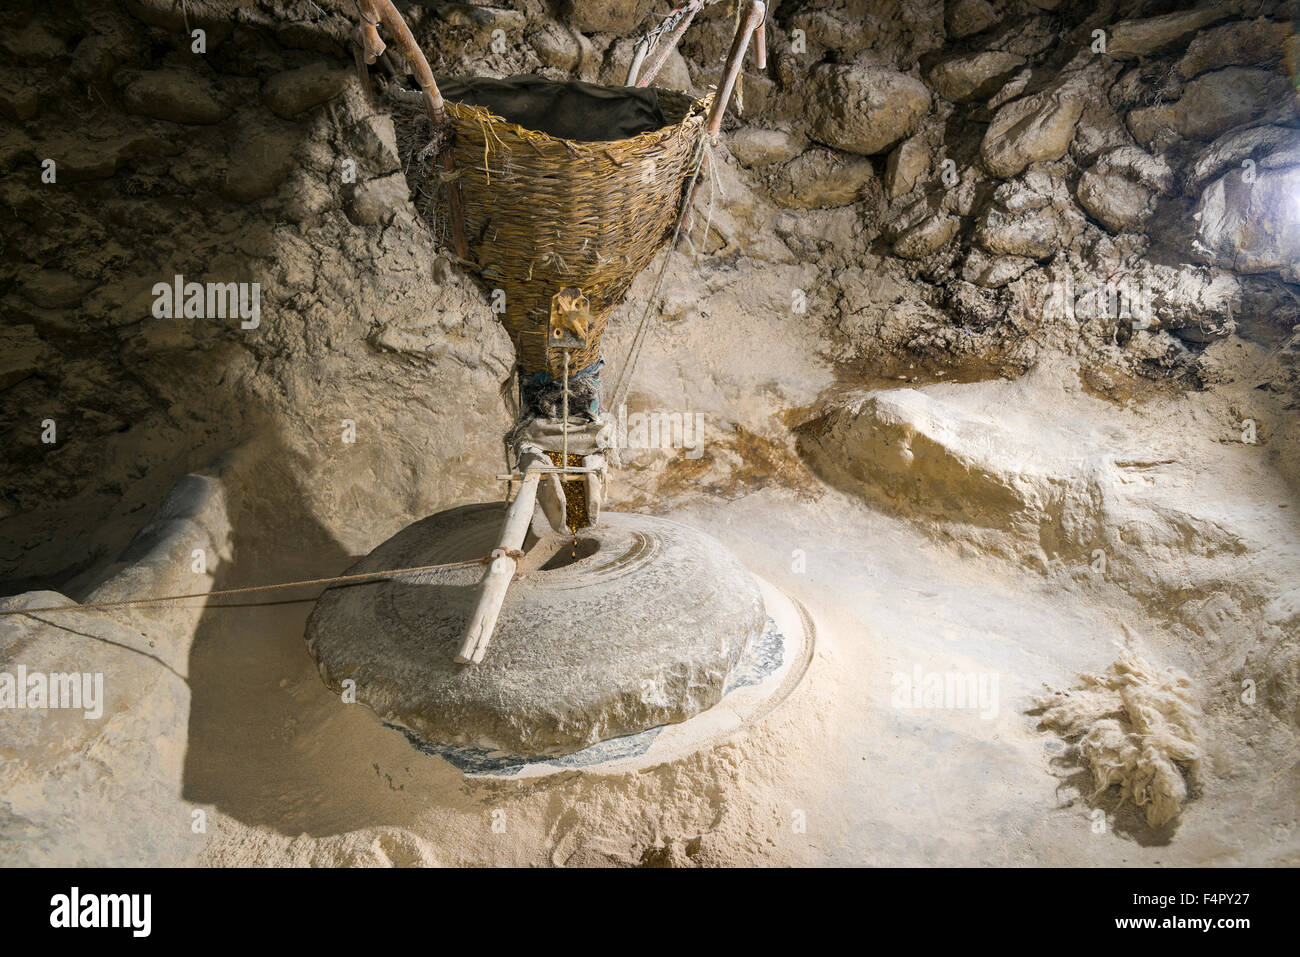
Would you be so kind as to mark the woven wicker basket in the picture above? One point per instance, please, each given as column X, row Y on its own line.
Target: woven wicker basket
column 543, row 213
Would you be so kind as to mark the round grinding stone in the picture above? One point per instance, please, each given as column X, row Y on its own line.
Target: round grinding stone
column 639, row 630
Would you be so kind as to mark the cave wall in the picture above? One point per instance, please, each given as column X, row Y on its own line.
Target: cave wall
column 948, row 183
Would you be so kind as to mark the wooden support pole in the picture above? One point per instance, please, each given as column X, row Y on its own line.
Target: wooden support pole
column 666, row 47
column 383, row 11
column 638, row 57
column 751, row 21
column 501, row 571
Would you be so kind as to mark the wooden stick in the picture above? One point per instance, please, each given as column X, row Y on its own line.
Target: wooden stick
column 638, row 57
column 492, row 589
column 753, row 18
column 595, row 486
column 369, row 40
column 753, row 21
column 666, row 47
column 385, row 12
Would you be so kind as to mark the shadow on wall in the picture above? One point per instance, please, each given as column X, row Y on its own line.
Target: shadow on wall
column 269, row 745
column 166, row 164
column 106, row 404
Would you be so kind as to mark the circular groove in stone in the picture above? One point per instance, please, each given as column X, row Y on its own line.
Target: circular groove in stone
column 643, row 632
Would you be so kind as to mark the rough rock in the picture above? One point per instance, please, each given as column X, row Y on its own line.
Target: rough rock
column 20, row 104
column 754, row 146
column 1232, row 149
column 1288, row 154
column 178, row 96
column 1214, row 103
column 922, row 229
column 374, row 138
column 55, row 289
column 1013, row 88
column 1246, row 43
column 1197, row 303
column 1113, row 199
column 260, row 160
column 1030, row 130
column 22, row 352
column 971, row 468
column 606, row 16
column 33, row 43
column 976, row 76
column 864, row 109
column 820, row 178
column 1130, row 39
column 1033, row 216
column 81, row 158
column 1252, row 227
column 993, row 272
column 1153, row 127
column 1100, row 130
column 961, row 18
column 1060, row 491
column 560, row 47
column 66, row 772
column 1120, row 190
column 375, row 201
column 294, row 91
column 484, row 18
column 907, row 165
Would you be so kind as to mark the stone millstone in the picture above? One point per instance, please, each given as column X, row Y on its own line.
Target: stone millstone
column 642, row 631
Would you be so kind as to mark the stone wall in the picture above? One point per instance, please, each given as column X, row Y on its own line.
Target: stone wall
column 953, row 182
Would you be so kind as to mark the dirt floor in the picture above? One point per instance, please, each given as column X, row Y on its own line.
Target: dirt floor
column 843, row 771
column 902, row 428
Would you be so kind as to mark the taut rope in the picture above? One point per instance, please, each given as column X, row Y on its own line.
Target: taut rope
column 339, row 579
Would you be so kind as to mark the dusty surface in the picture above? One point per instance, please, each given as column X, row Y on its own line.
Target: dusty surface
column 641, row 629
column 923, row 416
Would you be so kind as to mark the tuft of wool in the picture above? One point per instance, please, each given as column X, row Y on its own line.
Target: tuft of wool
column 1135, row 726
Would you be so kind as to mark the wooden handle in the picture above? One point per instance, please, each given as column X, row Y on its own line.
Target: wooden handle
column 496, row 581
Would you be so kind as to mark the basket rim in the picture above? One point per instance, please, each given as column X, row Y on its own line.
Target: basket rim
column 467, row 112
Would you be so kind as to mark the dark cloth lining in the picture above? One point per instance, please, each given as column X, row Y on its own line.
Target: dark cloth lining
column 571, row 110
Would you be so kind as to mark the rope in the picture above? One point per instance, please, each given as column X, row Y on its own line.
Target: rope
column 364, row 576
column 624, row 382
column 669, row 22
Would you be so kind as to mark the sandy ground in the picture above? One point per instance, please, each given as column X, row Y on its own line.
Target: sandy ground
column 221, row 711
column 839, row 773
column 835, row 775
